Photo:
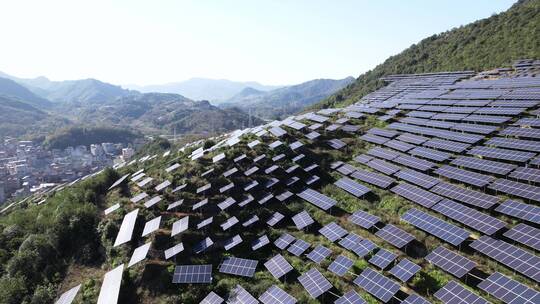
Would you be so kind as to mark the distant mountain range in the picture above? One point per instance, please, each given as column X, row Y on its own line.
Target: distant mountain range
column 287, row 100
column 213, row 90
column 38, row 107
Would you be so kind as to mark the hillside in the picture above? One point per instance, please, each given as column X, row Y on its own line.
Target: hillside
column 285, row 101
column 214, row 90
column 159, row 113
column 75, row 136
column 482, row 45
column 11, row 88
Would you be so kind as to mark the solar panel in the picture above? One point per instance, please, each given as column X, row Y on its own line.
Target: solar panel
column 405, row 270
column 226, row 187
column 283, row 196
column 383, row 153
column 395, row 236
column 435, row 226
column 513, row 257
column 68, row 296
column 180, row 226
column 520, row 210
column 446, row 145
column 314, row 283
column 144, row 182
column 138, row 197
column 298, row 247
column 363, row 248
column 464, row 195
column 383, row 258
column 239, row 158
column 374, row 139
column 469, row 216
column 503, row 154
column 111, row 209
column 377, row 285
column 260, row 242
column 362, row 158
column 383, row 132
column 450, row 261
column 487, row 119
column 151, row 226
column 284, row 240
column 203, row 245
column 336, row 144
column 412, row 139
column 516, row 188
column 258, row 158
column 363, row 219
column 238, row 266
column 218, row 157
column 318, row 199
column 277, row 131
column 179, row 188
column 151, row 202
column 275, row 218
column 432, row 154
column 346, row 169
column 352, row 187
column 278, row 157
column 415, row 299
column 350, row 241
column 240, row 296
column 230, row 172
column 252, row 220
column 413, row 162
column 174, row 250
column 399, row 145
column 110, row 287
column 509, row 290
column 212, row 298
column 250, row 186
column 276, row 295
column 416, row 195
column 526, row 235
column 526, row 174
column 302, row 220
column 318, row 254
column 464, row 176
column 205, row 222
column 229, row 223
column 454, row 293
column 514, row 143
column 383, row 166
column 333, row 231
column 126, row 228
column 298, row 157
column 521, row 132
column 373, row 178
column 341, row 265
column 423, row 180
column 278, row 266
column 139, row 254
column 483, row 165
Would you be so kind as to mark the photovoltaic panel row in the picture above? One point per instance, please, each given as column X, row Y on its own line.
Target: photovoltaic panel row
column 464, row 176
column 515, row 144
column 513, row 257
column 395, row 236
column 454, row 293
column 352, row 187
column 364, row 219
column 435, row 226
column 502, row 154
column 382, row 166
column 316, row 198
column 373, row 178
column 526, row 235
column 483, row 165
column 516, row 188
column 383, row 153
column 521, row 132
column 377, row 284
column 431, row 154
column 520, row 210
column 464, row 195
column 526, row 174
column 416, row 195
column 446, row 145
column 508, row 290
column 414, row 162
column 451, row 135
column 468, row 216
column 423, row 180
column 450, row 261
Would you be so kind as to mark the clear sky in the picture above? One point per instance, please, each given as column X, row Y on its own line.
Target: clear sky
column 273, row 42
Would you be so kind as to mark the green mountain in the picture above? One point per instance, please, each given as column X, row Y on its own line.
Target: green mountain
column 11, row 88
column 482, row 45
column 287, row 100
column 86, row 136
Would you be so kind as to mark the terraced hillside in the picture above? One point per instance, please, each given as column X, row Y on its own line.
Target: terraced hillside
column 427, row 191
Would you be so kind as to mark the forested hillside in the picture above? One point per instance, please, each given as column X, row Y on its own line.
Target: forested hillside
column 482, row 45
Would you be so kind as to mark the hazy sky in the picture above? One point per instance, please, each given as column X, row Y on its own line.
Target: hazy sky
column 273, row 42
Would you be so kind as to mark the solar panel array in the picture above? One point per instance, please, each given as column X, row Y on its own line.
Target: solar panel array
column 377, row 285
